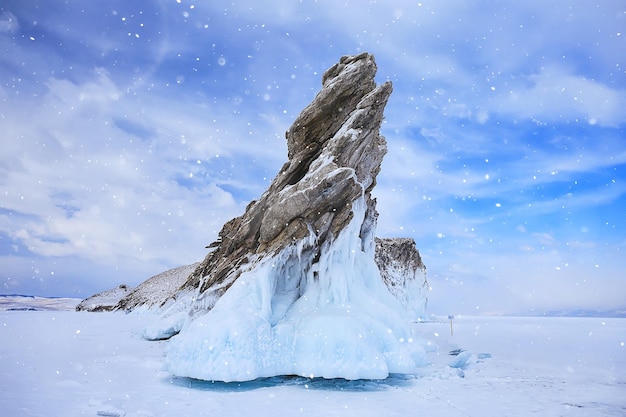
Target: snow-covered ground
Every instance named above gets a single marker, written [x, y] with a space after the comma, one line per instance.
[65, 363]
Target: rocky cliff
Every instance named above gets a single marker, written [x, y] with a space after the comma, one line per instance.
[296, 285]
[335, 151]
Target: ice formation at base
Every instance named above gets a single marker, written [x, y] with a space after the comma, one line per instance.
[335, 318]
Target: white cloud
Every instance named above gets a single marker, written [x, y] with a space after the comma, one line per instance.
[558, 95]
[87, 188]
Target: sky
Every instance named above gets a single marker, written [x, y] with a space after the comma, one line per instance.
[132, 131]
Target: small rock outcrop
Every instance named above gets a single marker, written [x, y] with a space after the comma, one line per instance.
[104, 301]
[404, 273]
[155, 291]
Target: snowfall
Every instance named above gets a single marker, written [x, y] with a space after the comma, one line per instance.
[58, 362]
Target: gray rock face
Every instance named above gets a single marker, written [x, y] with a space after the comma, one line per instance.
[104, 301]
[398, 255]
[335, 151]
[403, 272]
[155, 291]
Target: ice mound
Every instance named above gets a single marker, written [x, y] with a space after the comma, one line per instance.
[336, 321]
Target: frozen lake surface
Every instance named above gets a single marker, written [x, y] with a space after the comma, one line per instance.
[64, 363]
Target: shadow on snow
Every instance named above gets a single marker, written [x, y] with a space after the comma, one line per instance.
[336, 384]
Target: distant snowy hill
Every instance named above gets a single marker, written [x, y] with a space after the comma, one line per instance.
[16, 302]
[616, 313]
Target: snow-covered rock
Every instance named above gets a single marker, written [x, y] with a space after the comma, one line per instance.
[154, 292]
[298, 285]
[404, 273]
[292, 286]
[105, 300]
[151, 295]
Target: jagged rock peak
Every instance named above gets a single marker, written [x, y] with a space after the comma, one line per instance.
[291, 286]
[335, 151]
[343, 86]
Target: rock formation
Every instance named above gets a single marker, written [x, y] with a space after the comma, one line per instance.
[104, 301]
[157, 290]
[404, 273]
[335, 152]
[292, 286]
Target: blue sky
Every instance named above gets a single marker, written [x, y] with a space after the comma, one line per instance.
[131, 131]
